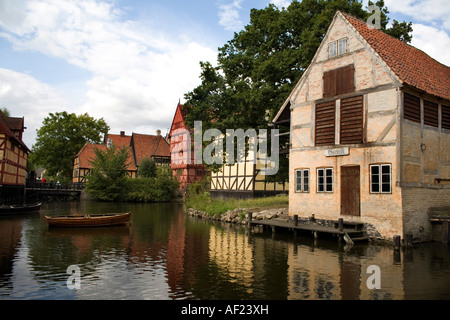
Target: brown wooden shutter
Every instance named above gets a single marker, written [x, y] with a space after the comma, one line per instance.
[325, 123]
[348, 80]
[339, 81]
[329, 83]
[351, 125]
[411, 107]
[430, 113]
[445, 117]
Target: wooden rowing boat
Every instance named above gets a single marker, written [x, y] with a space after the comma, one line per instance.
[101, 220]
[20, 209]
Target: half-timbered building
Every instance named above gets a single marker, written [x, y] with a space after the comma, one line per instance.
[13, 159]
[183, 168]
[82, 163]
[245, 179]
[369, 132]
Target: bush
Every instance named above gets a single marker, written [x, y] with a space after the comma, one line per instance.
[199, 198]
[162, 188]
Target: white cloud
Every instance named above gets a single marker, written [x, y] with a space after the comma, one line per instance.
[281, 3]
[229, 15]
[138, 74]
[434, 12]
[23, 95]
[436, 43]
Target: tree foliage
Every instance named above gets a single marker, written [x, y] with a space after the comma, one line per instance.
[61, 137]
[147, 168]
[259, 67]
[108, 177]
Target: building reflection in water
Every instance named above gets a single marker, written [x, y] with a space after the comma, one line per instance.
[166, 254]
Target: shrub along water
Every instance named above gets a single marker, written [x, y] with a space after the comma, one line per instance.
[200, 199]
[109, 181]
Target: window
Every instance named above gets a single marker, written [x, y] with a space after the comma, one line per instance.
[352, 121]
[342, 46]
[411, 107]
[445, 117]
[325, 180]
[302, 180]
[380, 178]
[339, 81]
[430, 113]
[336, 48]
[332, 49]
[325, 123]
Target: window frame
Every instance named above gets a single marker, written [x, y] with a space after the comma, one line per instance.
[335, 49]
[302, 180]
[380, 182]
[338, 46]
[325, 183]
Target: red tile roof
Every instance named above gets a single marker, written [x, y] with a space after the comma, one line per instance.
[147, 146]
[411, 65]
[119, 140]
[87, 154]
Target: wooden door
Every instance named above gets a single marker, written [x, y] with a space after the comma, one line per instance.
[350, 191]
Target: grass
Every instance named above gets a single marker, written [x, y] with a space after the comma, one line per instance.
[218, 206]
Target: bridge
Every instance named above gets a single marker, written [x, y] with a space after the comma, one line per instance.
[54, 191]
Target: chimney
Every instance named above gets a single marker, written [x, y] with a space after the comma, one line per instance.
[158, 132]
[122, 134]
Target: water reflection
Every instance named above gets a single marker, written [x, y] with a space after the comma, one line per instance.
[165, 254]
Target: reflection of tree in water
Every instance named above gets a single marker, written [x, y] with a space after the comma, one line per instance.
[324, 288]
[301, 283]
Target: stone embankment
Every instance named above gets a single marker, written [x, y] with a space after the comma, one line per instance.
[240, 215]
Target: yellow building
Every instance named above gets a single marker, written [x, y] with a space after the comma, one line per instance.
[369, 132]
[13, 158]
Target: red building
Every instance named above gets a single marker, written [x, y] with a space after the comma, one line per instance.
[182, 162]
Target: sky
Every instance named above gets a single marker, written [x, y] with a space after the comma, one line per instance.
[130, 62]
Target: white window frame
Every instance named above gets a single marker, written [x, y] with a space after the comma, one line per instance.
[326, 173]
[379, 178]
[338, 46]
[332, 49]
[304, 183]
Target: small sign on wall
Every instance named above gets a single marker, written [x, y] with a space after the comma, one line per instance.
[336, 152]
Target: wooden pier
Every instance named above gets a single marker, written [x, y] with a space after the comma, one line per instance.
[349, 231]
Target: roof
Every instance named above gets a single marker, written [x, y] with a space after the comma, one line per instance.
[148, 146]
[119, 140]
[10, 125]
[87, 154]
[411, 65]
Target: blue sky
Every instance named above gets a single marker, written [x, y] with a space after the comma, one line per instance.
[131, 61]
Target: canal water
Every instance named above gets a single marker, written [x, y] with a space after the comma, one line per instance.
[165, 255]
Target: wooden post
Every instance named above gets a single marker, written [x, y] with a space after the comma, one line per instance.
[445, 231]
[408, 240]
[296, 220]
[341, 224]
[250, 217]
[397, 242]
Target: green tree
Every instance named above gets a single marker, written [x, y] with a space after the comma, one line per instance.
[61, 137]
[108, 178]
[5, 112]
[259, 67]
[147, 168]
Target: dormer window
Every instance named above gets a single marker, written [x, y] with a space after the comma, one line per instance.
[338, 47]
